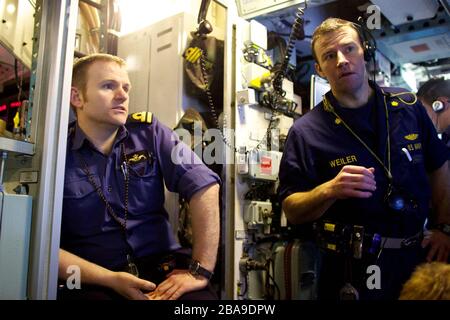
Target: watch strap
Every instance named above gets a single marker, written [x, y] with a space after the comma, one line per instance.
[196, 269]
[444, 228]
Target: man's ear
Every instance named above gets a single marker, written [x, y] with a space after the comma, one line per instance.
[319, 70]
[445, 100]
[75, 97]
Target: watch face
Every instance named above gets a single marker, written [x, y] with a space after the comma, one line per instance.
[193, 268]
[197, 270]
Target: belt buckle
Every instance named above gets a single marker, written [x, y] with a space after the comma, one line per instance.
[408, 242]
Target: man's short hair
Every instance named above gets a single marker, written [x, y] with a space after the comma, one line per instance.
[331, 25]
[430, 281]
[81, 66]
[434, 88]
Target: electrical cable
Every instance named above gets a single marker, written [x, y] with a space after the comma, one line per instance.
[19, 82]
[271, 99]
[273, 279]
[211, 101]
[296, 33]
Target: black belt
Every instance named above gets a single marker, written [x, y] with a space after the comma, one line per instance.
[352, 240]
[401, 243]
[156, 267]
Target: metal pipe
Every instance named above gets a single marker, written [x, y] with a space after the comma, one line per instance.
[2, 167]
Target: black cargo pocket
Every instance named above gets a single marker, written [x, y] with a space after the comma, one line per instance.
[409, 172]
[409, 160]
[83, 210]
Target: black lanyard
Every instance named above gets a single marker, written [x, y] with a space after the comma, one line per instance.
[131, 267]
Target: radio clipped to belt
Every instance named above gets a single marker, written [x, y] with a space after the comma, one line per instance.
[348, 240]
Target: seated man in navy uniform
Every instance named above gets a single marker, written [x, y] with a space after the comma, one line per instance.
[114, 226]
[358, 173]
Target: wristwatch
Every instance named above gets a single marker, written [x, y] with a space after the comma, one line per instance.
[196, 269]
[444, 228]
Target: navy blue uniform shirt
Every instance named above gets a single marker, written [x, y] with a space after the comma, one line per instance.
[88, 230]
[318, 147]
[446, 137]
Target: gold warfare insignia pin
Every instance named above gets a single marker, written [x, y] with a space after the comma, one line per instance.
[138, 157]
[412, 136]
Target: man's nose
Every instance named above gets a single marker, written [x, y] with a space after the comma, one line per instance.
[341, 59]
[121, 94]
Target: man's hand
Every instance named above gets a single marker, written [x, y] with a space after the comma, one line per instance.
[130, 287]
[177, 283]
[439, 244]
[353, 182]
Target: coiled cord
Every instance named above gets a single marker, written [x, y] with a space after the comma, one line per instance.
[211, 102]
[296, 33]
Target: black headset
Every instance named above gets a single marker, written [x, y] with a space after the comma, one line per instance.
[367, 40]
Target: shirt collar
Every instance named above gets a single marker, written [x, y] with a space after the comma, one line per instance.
[372, 99]
[79, 137]
[447, 131]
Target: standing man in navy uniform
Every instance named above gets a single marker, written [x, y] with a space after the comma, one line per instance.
[360, 170]
[114, 226]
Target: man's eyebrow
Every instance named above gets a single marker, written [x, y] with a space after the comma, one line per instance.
[115, 81]
[108, 80]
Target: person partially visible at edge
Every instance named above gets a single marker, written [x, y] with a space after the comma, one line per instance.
[435, 96]
[114, 225]
[430, 281]
[365, 157]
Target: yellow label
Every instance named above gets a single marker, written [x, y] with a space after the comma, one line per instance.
[414, 146]
[16, 120]
[329, 227]
[257, 82]
[343, 161]
[331, 246]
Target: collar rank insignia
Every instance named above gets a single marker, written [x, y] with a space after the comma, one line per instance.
[144, 117]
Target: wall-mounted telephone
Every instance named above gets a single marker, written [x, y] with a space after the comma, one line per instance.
[204, 27]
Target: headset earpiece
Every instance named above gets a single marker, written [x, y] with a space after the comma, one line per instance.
[437, 106]
[367, 40]
[369, 50]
